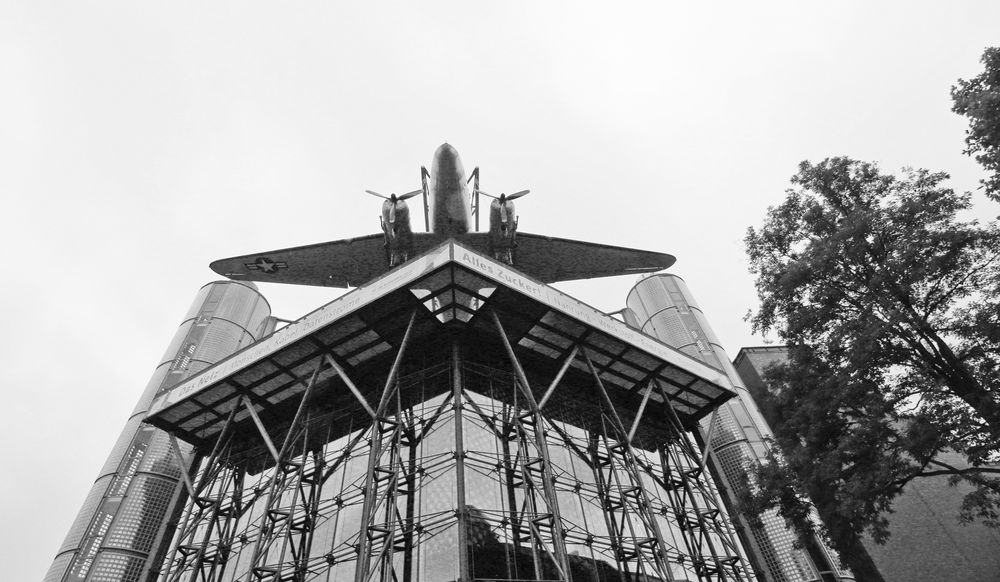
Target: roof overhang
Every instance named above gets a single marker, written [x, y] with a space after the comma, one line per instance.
[448, 287]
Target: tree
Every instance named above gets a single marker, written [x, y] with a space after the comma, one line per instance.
[888, 300]
[979, 100]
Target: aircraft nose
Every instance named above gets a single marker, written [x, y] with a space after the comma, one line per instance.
[446, 151]
[446, 158]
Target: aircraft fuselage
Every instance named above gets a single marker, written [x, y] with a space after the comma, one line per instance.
[448, 197]
[354, 261]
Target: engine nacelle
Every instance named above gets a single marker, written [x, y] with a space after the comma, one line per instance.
[396, 228]
[503, 230]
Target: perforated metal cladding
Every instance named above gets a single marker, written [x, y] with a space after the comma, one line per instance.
[666, 310]
[207, 340]
[180, 339]
[57, 568]
[727, 431]
[121, 446]
[249, 307]
[159, 458]
[219, 339]
[667, 326]
[774, 544]
[130, 465]
[656, 293]
[197, 304]
[138, 519]
[126, 509]
[152, 387]
[82, 520]
[239, 305]
[224, 319]
[114, 567]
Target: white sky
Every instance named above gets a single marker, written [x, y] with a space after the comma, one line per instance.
[137, 144]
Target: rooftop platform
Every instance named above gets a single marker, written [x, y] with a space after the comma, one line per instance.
[449, 290]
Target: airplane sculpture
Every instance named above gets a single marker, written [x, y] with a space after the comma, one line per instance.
[450, 211]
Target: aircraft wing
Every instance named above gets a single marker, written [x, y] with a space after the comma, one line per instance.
[354, 261]
[551, 259]
[340, 263]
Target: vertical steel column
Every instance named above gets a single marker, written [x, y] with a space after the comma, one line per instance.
[304, 524]
[412, 441]
[633, 505]
[528, 505]
[178, 561]
[286, 474]
[724, 566]
[674, 488]
[370, 492]
[464, 569]
[276, 521]
[224, 510]
[386, 533]
[548, 481]
[607, 504]
[630, 463]
[510, 485]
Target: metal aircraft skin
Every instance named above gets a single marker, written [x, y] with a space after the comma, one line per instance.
[451, 210]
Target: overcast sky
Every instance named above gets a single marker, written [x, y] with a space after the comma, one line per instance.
[139, 143]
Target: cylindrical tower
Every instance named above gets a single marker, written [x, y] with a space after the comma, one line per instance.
[115, 534]
[665, 309]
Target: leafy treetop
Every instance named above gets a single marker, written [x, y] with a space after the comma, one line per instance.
[979, 100]
[887, 300]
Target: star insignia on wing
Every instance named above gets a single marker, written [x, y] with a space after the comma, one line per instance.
[266, 265]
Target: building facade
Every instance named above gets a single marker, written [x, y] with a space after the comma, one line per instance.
[450, 420]
[123, 521]
[735, 434]
[927, 542]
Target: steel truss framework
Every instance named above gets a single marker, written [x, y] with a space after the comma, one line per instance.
[458, 473]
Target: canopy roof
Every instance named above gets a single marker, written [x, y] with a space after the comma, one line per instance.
[449, 289]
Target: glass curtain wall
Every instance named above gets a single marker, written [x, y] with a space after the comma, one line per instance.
[466, 476]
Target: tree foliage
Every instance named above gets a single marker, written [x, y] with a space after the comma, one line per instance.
[979, 100]
[888, 300]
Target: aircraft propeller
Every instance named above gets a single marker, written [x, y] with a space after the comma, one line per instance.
[503, 198]
[394, 198]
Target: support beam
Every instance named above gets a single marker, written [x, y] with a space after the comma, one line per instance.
[220, 442]
[548, 480]
[300, 410]
[725, 565]
[197, 512]
[350, 386]
[464, 569]
[275, 529]
[361, 573]
[497, 477]
[617, 422]
[262, 430]
[708, 439]
[558, 378]
[638, 415]
[394, 371]
[389, 381]
[185, 476]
